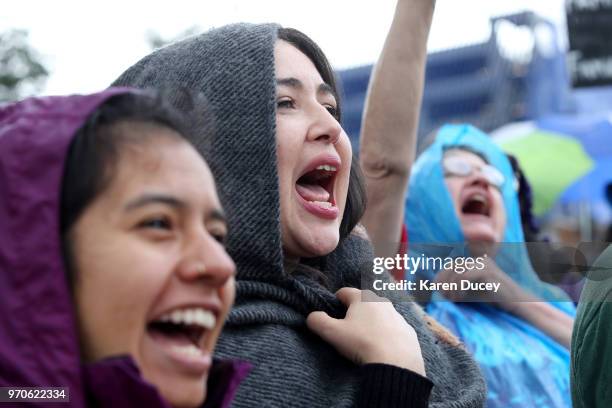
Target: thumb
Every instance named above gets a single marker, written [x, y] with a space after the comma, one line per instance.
[324, 325]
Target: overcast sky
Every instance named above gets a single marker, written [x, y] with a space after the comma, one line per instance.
[87, 44]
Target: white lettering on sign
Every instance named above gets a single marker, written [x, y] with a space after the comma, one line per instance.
[587, 5]
[592, 69]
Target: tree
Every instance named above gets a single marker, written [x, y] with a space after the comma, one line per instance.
[21, 70]
[157, 41]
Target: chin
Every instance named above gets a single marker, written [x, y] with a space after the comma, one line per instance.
[481, 240]
[477, 233]
[320, 243]
[323, 244]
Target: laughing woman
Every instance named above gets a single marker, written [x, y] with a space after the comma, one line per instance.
[293, 196]
[111, 249]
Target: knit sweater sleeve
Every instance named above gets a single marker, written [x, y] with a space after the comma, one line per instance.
[389, 386]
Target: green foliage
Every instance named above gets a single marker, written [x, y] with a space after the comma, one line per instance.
[21, 70]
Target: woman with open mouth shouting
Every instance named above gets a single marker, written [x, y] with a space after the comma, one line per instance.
[114, 281]
[293, 196]
[462, 198]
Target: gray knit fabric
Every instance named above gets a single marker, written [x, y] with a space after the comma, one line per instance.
[233, 67]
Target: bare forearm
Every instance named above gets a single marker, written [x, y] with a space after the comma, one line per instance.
[392, 107]
[548, 319]
[388, 137]
[523, 304]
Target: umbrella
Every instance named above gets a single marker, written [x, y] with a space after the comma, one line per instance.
[595, 134]
[593, 131]
[592, 186]
[557, 164]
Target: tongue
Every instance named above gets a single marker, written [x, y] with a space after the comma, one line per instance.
[312, 192]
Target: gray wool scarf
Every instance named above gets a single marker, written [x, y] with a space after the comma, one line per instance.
[233, 67]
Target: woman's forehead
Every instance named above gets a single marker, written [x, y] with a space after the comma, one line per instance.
[465, 154]
[289, 61]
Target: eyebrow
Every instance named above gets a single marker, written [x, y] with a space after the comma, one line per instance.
[326, 88]
[291, 82]
[146, 199]
[216, 215]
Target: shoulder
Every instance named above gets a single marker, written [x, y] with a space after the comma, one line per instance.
[592, 337]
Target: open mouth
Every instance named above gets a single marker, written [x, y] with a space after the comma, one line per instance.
[476, 204]
[316, 188]
[183, 331]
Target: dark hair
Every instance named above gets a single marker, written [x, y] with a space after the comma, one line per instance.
[95, 151]
[525, 198]
[356, 197]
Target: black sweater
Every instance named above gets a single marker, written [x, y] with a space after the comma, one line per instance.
[388, 386]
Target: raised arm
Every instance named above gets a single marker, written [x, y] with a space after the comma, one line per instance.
[391, 115]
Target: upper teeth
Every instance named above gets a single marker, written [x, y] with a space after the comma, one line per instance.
[326, 167]
[194, 316]
[479, 197]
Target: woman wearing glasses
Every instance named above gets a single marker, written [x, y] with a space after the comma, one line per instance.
[462, 202]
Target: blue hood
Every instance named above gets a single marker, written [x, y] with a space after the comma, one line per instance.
[431, 218]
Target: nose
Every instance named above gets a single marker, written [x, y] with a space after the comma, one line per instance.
[204, 259]
[325, 127]
[478, 179]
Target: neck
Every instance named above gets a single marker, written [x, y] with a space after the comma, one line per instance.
[290, 263]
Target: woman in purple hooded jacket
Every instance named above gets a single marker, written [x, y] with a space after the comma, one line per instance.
[114, 281]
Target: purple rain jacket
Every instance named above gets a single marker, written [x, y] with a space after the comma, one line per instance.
[38, 335]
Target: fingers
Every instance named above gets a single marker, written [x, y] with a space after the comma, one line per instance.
[451, 277]
[349, 296]
[323, 325]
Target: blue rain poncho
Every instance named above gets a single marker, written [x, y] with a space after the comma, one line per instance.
[523, 366]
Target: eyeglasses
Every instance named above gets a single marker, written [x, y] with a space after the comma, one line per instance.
[456, 166]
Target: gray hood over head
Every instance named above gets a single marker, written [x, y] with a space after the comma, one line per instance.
[233, 67]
